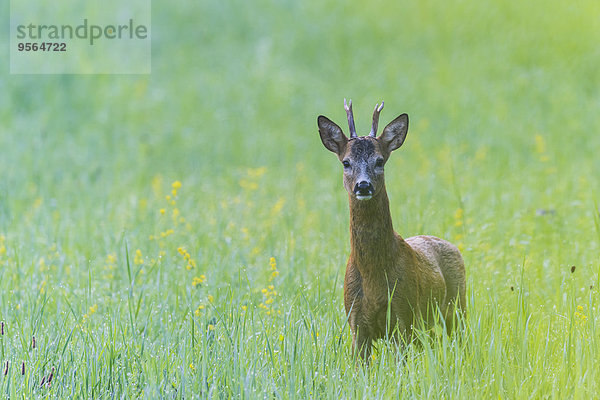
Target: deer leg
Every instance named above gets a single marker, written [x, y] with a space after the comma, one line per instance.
[450, 318]
[361, 345]
[455, 315]
[401, 335]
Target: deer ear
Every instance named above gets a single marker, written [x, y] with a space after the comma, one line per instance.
[331, 135]
[394, 133]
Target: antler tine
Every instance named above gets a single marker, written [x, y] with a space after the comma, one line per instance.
[376, 111]
[348, 107]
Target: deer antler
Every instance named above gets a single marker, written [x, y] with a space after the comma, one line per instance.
[348, 107]
[376, 112]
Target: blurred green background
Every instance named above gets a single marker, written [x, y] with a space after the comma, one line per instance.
[500, 158]
[235, 85]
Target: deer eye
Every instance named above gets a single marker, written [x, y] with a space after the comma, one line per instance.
[346, 164]
[379, 163]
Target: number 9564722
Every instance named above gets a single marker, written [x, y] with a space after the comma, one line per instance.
[44, 46]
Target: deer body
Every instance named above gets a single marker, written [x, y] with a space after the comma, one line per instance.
[411, 277]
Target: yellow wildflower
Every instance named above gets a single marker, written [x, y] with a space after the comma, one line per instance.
[198, 311]
[248, 185]
[540, 148]
[540, 144]
[138, 259]
[167, 233]
[278, 206]
[581, 318]
[458, 216]
[197, 280]
[37, 203]
[156, 184]
[256, 172]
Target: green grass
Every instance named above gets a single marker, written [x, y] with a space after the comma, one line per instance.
[500, 158]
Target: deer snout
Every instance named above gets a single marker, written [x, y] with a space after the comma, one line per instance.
[363, 190]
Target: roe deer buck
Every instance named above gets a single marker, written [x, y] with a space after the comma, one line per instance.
[412, 277]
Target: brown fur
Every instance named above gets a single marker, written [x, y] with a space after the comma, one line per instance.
[417, 274]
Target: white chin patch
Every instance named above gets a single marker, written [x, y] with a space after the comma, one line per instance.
[368, 197]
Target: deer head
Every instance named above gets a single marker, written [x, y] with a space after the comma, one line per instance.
[364, 157]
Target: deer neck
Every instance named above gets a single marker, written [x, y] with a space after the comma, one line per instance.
[372, 235]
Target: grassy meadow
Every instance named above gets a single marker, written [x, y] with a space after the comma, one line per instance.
[184, 234]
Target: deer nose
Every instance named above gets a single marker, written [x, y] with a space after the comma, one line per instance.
[363, 189]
